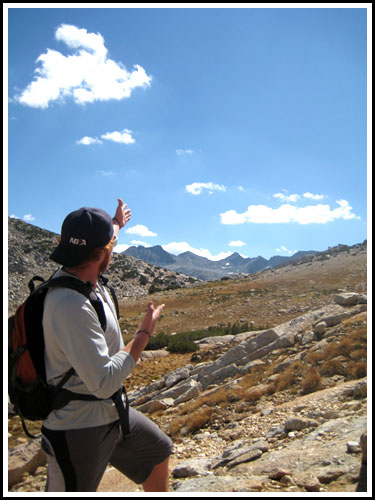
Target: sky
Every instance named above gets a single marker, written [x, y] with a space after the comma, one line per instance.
[223, 128]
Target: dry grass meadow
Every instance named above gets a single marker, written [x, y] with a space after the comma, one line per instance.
[264, 300]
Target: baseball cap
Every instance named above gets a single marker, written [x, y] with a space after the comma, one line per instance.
[82, 231]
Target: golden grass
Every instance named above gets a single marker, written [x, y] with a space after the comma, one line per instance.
[311, 382]
[358, 370]
[358, 354]
[290, 376]
[332, 367]
[191, 422]
[199, 418]
[214, 302]
[255, 376]
[252, 395]
[314, 358]
[214, 398]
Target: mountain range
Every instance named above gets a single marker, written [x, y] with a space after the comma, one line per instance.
[205, 269]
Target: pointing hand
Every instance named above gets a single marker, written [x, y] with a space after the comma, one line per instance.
[122, 214]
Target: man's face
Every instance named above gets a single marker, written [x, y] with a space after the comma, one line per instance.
[107, 257]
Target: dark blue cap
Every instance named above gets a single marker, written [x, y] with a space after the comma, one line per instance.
[82, 231]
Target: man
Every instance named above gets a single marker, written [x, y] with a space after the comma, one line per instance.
[83, 437]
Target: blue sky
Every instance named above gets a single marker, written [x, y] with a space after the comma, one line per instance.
[223, 129]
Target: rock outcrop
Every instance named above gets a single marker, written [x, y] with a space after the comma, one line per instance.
[25, 459]
[302, 446]
[247, 352]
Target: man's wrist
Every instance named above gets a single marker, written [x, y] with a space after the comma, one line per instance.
[115, 220]
[144, 331]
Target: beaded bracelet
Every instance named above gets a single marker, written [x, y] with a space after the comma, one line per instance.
[143, 331]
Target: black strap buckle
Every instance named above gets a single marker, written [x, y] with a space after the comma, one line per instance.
[123, 410]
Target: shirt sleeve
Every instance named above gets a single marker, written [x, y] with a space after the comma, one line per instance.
[81, 338]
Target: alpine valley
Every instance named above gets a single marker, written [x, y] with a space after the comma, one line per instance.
[205, 269]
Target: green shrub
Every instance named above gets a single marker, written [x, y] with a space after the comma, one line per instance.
[153, 289]
[184, 341]
[181, 345]
[158, 341]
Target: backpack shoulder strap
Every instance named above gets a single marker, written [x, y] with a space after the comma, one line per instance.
[105, 282]
[31, 283]
[80, 287]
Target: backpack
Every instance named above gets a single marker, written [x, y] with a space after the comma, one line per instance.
[32, 397]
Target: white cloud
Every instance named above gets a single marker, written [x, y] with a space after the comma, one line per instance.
[76, 38]
[237, 243]
[86, 76]
[184, 152]
[219, 256]
[292, 198]
[119, 248]
[288, 198]
[232, 217]
[87, 141]
[140, 230]
[313, 196]
[317, 214]
[123, 137]
[285, 249]
[176, 248]
[28, 217]
[140, 243]
[197, 187]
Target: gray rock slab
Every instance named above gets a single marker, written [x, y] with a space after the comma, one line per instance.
[310, 453]
[176, 391]
[25, 458]
[191, 393]
[175, 376]
[261, 340]
[246, 457]
[297, 424]
[220, 375]
[350, 298]
[193, 467]
[217, 484]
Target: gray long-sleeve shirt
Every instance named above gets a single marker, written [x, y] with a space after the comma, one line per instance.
[74, 337]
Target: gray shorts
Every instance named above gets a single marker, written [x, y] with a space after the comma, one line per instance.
[77, 458]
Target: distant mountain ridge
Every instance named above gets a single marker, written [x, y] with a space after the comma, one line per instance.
[205, 269]
[154, 255]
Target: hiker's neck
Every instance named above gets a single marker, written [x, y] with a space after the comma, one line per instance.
[91, 270]
[87, 273]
